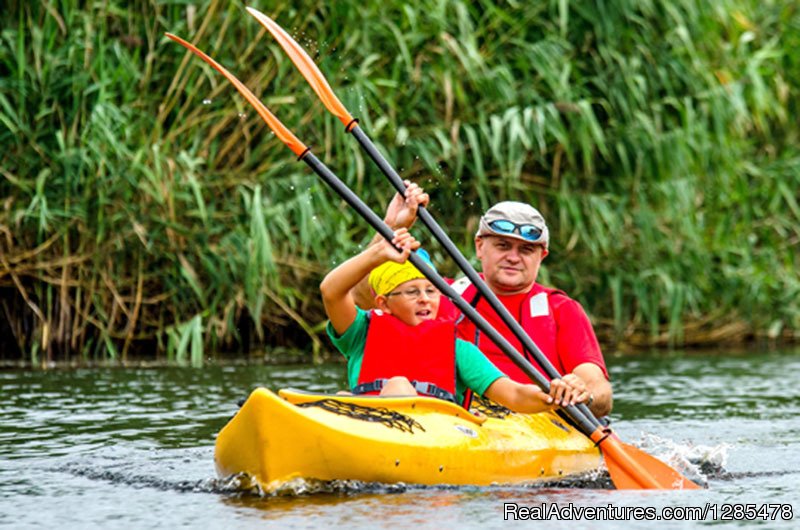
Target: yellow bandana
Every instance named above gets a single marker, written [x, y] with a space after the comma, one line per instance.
[384, 278]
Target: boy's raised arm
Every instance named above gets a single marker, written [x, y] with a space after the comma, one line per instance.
[336, 287]
[400, 213]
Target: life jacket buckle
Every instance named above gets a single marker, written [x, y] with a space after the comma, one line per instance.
[429, 389]
[373, 386]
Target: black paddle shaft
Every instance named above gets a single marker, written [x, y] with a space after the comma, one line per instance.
[586, 425]
[473, 276]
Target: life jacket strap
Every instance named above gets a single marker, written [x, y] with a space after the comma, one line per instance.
[372, 386]
[427, 389]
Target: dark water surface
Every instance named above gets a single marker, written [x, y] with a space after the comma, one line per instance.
[133, 448]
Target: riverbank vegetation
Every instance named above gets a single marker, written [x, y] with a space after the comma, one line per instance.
[146, 210]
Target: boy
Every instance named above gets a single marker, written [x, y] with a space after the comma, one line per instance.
[401, 348]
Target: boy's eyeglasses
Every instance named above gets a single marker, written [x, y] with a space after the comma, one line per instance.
[413, 294]
[504, 226]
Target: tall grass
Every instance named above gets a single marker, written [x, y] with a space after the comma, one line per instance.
[146, 209]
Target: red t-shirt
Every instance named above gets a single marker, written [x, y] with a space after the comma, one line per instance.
[563, 332]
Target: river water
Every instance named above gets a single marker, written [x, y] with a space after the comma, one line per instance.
[115, 447]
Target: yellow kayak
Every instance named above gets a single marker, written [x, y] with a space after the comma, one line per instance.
[415, 440]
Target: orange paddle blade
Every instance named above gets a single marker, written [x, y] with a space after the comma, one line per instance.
[285, 135]
[307, 67]
[632, 468]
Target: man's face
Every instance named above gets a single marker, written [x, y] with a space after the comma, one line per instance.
[510, 265]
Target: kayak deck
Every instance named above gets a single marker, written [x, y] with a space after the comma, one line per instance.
[420, 440]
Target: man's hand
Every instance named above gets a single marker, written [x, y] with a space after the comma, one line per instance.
[402, 210]
[569, 390]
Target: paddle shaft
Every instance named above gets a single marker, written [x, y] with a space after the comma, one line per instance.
[452, 250]
[585, 424]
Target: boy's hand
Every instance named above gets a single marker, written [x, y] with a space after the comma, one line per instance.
[404, 241]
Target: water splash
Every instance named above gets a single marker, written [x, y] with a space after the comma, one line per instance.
[299, 486]
[696, 462]
[596, 479]
[242, 485]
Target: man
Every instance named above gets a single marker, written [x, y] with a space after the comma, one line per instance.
[511, 242]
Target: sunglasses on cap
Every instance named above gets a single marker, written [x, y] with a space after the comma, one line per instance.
[527, 232]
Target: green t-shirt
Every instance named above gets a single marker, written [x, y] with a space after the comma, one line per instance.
[473, 369]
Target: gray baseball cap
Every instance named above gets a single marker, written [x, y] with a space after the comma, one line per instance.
[525, 220]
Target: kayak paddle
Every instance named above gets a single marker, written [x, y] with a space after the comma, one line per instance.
[629, 467]
[322, 88]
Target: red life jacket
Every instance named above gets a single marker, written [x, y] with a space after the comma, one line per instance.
[424, 354]
[536, 318]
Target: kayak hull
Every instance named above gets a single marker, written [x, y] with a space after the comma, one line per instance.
[277, 438]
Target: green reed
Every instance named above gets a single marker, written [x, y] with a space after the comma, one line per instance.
[147, 209]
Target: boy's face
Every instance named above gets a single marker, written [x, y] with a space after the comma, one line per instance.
[412, 302]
